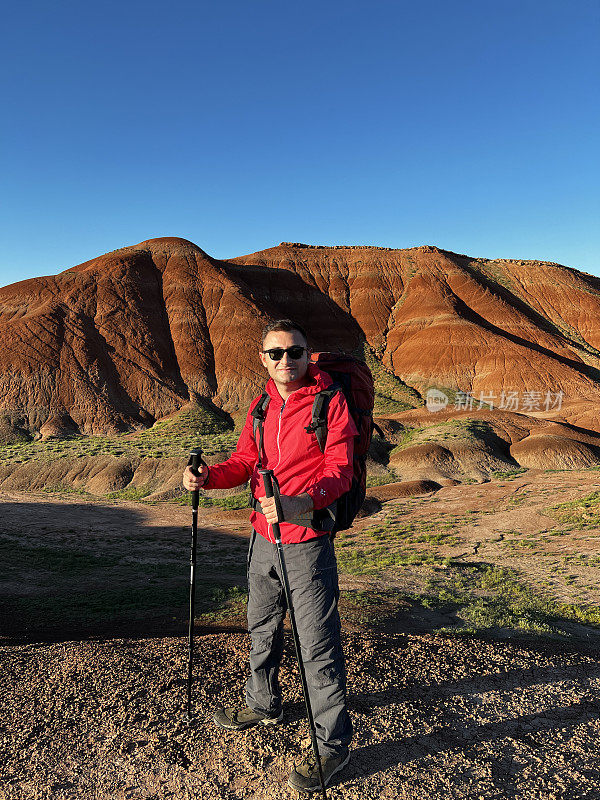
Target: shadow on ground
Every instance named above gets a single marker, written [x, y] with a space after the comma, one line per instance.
[85, 570]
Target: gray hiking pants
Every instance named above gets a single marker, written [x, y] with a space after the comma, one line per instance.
[312, 573]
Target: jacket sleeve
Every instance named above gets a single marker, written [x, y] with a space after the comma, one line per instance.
[240, 465]
[335, 476]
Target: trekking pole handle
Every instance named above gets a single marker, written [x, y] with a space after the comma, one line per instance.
[272, 490]
[194, 462]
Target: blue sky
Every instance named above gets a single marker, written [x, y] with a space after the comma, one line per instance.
[471, 125]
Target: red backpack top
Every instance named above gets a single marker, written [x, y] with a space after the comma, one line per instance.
[354, 378]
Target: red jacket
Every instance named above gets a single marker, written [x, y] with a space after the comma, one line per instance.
[293, 454]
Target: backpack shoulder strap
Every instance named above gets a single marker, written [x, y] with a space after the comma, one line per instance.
[258, 418]
[318, 424]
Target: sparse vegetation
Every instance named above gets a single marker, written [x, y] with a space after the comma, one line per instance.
[224, 603]
[582, 513]
[130, 493]
[371, 607]
[380, 480]
[468, 429]
[478, 598]
[77, 583]
[232, 502]
[191, 427]
[509, 474]
[492, 273]
[391, 394]
[392, 545]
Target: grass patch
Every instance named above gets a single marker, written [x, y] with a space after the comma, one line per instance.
[381, 480]
[375, 560]
[198, 420]
[485, 598]
[67, 585]
[395, 544]
[488, 597]
[509, 474]
[579, 514]
[195, 426]
[232, 502]
[52, 560]
[481, 598]
[451, 431]
[391, 394]
[226, 602]
[370, 607]
[101, 605]
[130, 493]
[65, 488]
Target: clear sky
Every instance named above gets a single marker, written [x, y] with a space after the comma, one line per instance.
[471, 125]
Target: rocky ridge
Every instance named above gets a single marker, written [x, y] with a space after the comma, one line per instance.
[134, 335]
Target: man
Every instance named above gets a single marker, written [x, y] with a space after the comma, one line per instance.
[309, 480]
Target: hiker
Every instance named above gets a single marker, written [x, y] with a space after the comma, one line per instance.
[309, 481]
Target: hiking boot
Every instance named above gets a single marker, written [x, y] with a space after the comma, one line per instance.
[305, 775]
[239, 719]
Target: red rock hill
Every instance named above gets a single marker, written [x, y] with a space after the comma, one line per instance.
[135, 334]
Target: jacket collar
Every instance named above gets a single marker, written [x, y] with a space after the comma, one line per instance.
[317, 381]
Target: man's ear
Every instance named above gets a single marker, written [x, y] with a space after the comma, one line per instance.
[263, 359]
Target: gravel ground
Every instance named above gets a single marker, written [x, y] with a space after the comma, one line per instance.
[434, 717]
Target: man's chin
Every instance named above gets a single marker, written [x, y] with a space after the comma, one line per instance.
[292, 380]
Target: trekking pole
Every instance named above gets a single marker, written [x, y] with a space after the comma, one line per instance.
[194, 462]
[272, 490]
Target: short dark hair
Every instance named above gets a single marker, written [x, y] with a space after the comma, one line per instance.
[287, 325]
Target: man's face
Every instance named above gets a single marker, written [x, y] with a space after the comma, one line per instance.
[288, 373]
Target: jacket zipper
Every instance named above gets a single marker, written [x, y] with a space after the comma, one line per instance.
[279, 433]
[278, 455]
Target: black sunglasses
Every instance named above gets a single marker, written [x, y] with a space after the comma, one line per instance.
[294, 352]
